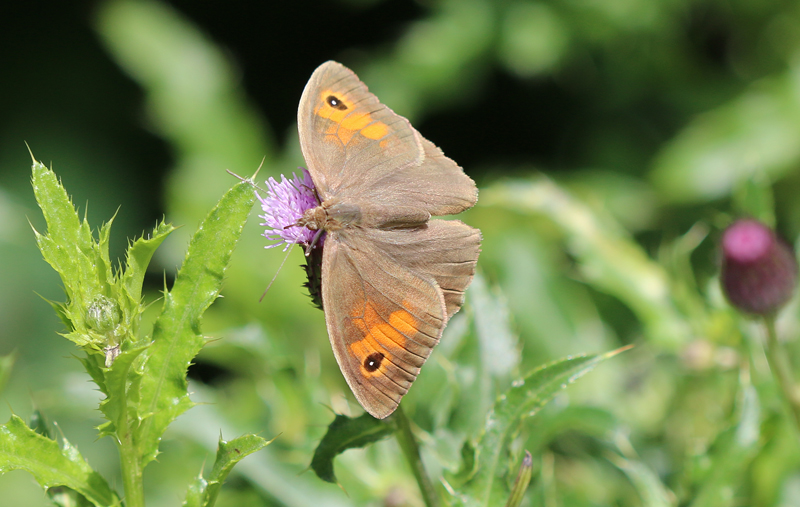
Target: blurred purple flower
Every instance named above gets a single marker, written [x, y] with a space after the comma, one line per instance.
[284, 206]
[759, 270]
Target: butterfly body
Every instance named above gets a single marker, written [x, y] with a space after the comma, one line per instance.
[391, 276]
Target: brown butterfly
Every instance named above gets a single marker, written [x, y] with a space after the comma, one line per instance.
[391, 277]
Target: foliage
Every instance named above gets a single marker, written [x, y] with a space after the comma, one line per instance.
[143, 377]
[612, 143]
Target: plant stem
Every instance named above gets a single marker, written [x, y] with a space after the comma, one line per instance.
[408, 443]
[130, 464]
[778, 363]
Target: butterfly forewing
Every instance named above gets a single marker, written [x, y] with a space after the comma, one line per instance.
[360, 151]
[344, 129]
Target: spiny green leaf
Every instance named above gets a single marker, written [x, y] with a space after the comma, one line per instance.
[346, 433]
[138, 258]
[21, 448]
[523, 400]
[176, 333]
[71, 250]
[93, 364]
[203, 492]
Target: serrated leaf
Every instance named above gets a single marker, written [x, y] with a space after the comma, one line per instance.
[70, 248]
[346, 433]
[120, 404]
[522, 400]
[176, 333]
[138, 258]
[203, 492]
[21, 448]
[93, 365]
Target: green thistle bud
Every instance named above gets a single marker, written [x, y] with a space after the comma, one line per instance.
[103, 315]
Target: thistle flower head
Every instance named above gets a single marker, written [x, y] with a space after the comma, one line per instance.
[759, 270]
[284, 205]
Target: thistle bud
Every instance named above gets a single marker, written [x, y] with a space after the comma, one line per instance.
[102, 316]
[759, 270]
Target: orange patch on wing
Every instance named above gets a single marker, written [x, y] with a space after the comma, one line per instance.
[380, 336]
[375, 131]
[346, 123]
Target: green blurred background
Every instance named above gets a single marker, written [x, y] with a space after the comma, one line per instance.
[611, 141]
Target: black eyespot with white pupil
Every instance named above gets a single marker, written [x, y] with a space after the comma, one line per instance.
[335, 102]
[373, 361]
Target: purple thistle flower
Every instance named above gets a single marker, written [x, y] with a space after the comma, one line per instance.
[759, 270]
[284, 206]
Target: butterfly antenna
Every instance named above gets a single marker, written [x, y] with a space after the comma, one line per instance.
[276, 274]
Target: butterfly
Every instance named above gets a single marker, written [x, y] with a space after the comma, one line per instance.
[391, 276]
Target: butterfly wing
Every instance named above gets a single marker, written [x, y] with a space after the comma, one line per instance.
[388, 295]
[360, 151]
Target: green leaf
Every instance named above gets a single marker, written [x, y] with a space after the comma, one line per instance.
[753, 198]
[607, 256]
[523, 400]
[63, 496]
[38, 423]
[755, 133]
[176, 333]
[499, 348]
[646, 482]
[493, 348]
[21, 448]
[120, 405]
[72, 251]
[346, 433]
[203, 492]
[138, 258]
[732, 455]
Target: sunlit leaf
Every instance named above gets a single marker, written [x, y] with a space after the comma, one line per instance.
[21, 448]
[176, 334]
[523, 400]
[203, 491]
